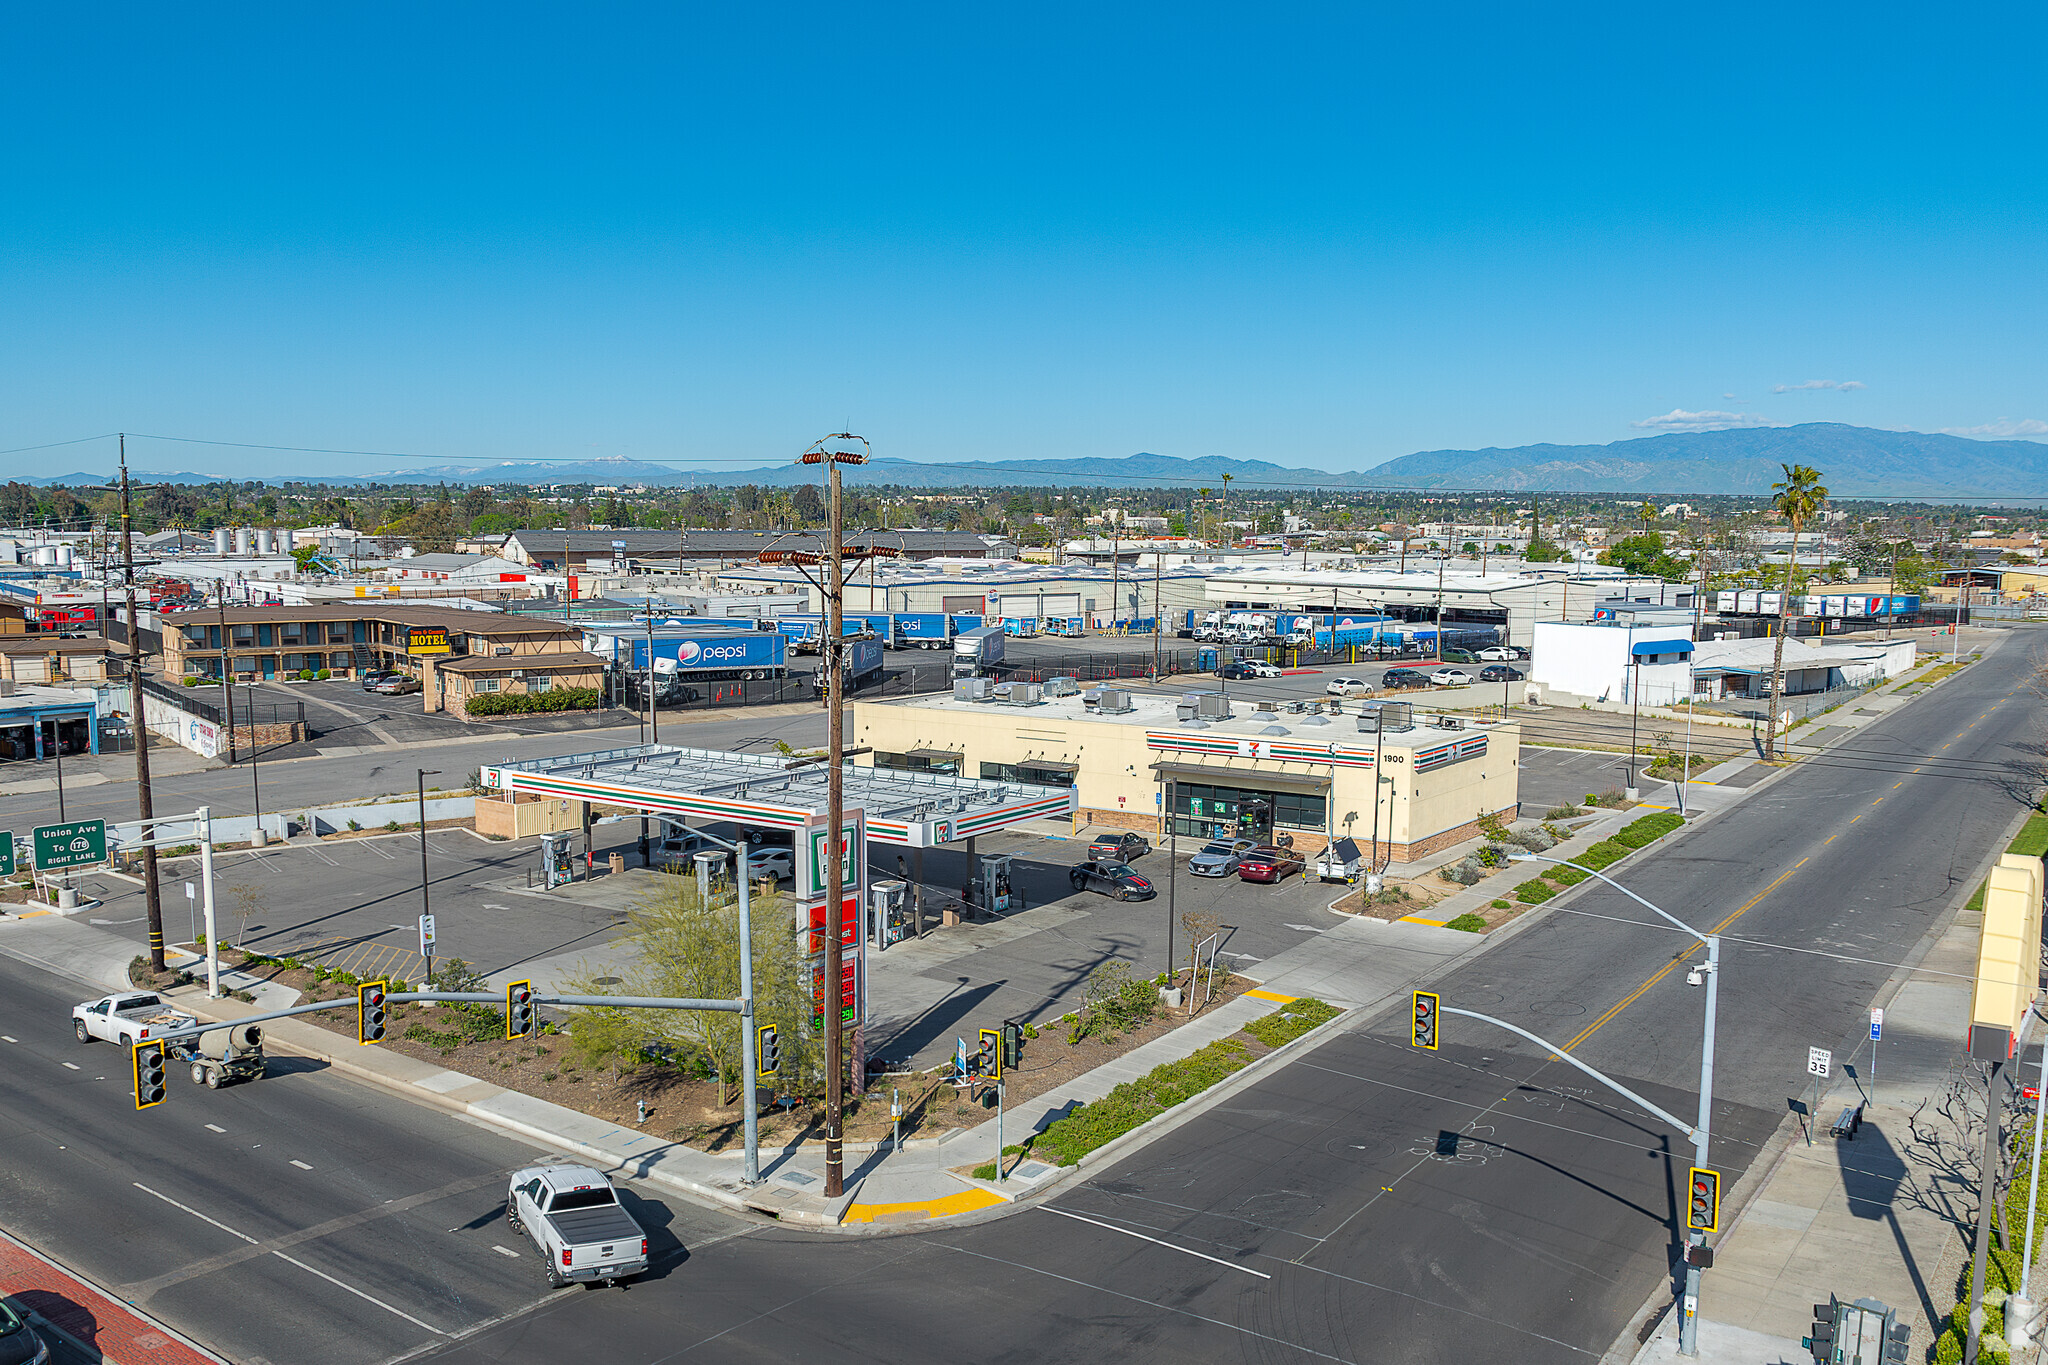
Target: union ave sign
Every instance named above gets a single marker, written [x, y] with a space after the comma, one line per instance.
[79, 844]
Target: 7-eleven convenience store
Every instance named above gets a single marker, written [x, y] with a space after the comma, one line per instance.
[1146, 759]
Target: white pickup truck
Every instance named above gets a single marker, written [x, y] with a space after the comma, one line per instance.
[129, 1018]
[573, 1215]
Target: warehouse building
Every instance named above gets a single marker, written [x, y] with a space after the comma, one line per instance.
[1511, 603]
[1210, 764]
[584, 551]
[991, 588]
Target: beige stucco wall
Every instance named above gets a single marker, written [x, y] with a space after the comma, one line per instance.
[1419, 813]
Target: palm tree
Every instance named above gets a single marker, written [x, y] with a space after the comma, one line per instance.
[1797, 498]
[1648, 514]
[1203, 495]
[1226, 499]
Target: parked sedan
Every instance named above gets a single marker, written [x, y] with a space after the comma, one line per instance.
[1111, 879]
[1261, 670]
[1502, 653]
[1118, 848]
[372, 676]
[397, 685]
[1451, 677]
[1396, 678]
[1347, 687]
[1501, 673]
[773, 861]
[19, 1344]
[1235, 672]
[1270, 863]
[1458, 656]
[1220, 857]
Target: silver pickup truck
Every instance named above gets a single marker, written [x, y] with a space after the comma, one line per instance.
[574, 1217]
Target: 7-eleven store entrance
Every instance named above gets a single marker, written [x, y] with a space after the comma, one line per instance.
[914, 810]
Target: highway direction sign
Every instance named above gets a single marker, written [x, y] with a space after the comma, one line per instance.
[78, 844]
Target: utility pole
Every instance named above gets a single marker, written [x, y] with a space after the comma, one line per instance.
[832, 668]
[1115, 562]
[1158, 558]
[145, 806]
[426, 906]
[227, 675]
[1440, 557]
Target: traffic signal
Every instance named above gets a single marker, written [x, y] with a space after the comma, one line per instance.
[1821, 1338]
[149, 1074]
[769, 1061]
[1422, 1029]
[1013, 1045]
[519, 1009]
[991, 1054]
[370, 1012]
[1703, 1200]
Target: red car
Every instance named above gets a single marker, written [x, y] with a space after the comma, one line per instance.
[1268, 863]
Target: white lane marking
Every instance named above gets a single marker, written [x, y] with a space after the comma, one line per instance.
[71, 1066]
[215, 1128]
[195, 1213]
[302, 1165]
[505, 1251]
[1305, 928]
[8, 1038]
[428, 1326]
[1156, 1242]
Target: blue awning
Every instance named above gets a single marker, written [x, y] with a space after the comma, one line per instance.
[1662, 647]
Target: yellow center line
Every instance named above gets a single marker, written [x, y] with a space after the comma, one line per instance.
[1879, 799]
[1636, 994]
[1830, 839]
[1854, 818]
[1897, 785]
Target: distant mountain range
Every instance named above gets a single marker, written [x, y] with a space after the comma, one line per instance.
[1853, 461]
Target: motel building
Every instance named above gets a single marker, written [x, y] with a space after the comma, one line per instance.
[1208, 762]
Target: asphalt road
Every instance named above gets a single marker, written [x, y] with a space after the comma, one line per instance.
[1481, 1202]
[296, 1218]
[1367, 1203]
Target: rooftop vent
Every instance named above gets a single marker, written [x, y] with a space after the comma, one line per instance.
[1275, 730]
[1449, 723]
[1061, 687]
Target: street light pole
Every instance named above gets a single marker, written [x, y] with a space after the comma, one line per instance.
[426, 907]
[1689, 1308]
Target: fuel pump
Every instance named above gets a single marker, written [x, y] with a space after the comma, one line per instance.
[554, 857]
[888, 912]
[995, 883]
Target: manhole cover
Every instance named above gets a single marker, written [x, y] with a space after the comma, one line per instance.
[1557, 1009]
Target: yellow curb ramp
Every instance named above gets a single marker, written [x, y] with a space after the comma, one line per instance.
[1417, 919]
[967, 1201]
[1273, 996]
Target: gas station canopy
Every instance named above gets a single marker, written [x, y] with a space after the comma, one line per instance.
[917, 809]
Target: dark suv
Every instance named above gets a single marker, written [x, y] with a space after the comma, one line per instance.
[1404, 677]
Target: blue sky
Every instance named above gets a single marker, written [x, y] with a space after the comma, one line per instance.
[1320, 235]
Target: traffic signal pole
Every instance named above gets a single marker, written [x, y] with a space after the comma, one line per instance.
[1700, 1132]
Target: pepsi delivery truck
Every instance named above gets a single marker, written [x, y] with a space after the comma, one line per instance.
[693, 652]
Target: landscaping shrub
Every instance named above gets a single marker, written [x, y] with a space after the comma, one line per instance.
[1566, 876]
[1067, 1140]
[1113, 1002]
[192, 682]
[1533, 840]
[325, 674]
[529, 703]
[1563, 813]
[1648, 830]
[1465, 872]
[1534, 892]
[1492, 855]
[1290, 1021]
[1470, 923]
[305, 675]
[1500, 905]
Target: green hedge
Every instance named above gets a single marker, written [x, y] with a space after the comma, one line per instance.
[1648, 830]
[1290, 1021]
[528, 703]
[1471, 924]
[1065, 1141]
[1534, 892]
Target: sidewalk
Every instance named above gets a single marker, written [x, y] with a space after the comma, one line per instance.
[1881, 1216]
[67, 1310]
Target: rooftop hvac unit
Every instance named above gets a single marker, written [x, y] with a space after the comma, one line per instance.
[1449, 723]
[1368, 721]
[1266, 708]
[1184, 710]
[1212, 706]
[1397, 715]
[1061, 687]
[1021, 694]
[973, 689]
[1114, 701]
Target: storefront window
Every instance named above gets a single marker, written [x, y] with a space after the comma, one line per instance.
[1204, 812]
